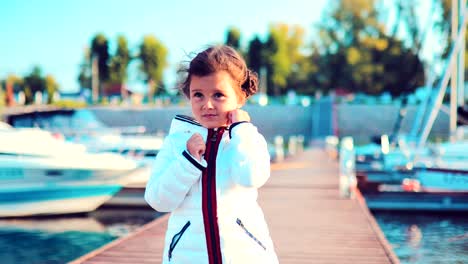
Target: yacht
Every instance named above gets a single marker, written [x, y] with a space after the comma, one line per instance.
[42, 174]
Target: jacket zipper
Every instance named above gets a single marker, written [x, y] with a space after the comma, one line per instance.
[176, 238]
[211, 174]
[239, 222]
[211, 197]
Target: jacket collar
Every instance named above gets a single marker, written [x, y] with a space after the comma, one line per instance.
[187, 124]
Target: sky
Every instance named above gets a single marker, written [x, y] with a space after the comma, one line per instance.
[54, 34]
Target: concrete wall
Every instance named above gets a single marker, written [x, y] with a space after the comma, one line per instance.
[364, 121]
[358, 121]
[315, 121]
[270, 120]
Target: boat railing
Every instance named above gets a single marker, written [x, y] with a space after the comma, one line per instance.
[347, 163]
[280, 148]
[331, 146]
[73, 132]
[442, 86]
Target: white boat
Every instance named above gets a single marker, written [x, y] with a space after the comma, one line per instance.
[42, 175]
[83, 127]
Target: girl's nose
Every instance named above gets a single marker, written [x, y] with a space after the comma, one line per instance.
[208, 104]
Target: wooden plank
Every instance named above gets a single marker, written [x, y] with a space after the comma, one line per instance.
[309, 222]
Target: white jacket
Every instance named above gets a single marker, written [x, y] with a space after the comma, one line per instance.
[215, 217]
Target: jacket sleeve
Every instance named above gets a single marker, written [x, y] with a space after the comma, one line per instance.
[173, 174]
[248, 152]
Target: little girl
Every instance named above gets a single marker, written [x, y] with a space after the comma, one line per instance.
[210, 167]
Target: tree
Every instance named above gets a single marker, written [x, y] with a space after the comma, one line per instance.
[300, 78]
[153, 56]
[51, 86]
[444, 23]
[233, 38]
[348, 64]
[84, 77]
[34, 82]
[11, 84]
[119, 63]
[3, 97]
[360, 56]
[100, 52]
[254, 54]
[313, 71]
[281, 53]
[444, 27]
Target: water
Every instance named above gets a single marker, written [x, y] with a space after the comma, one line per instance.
[426, 238]
[415, 238]
[61, 239]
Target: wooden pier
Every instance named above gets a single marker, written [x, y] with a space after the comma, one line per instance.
[309, 222]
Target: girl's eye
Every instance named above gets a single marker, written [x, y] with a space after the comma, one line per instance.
[218, 95]
[197, 94]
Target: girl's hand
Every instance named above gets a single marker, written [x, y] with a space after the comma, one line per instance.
[238, 115]
[196, 146]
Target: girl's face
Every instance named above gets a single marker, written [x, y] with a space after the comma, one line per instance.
[212, 98]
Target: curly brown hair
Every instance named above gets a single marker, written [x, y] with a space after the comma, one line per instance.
[221, 58]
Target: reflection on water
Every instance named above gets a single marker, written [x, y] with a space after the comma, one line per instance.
[33, 246]
[414, 236]
[430, 238]
[61, 239]
[57, 225]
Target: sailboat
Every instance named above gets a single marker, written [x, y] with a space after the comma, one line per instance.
[422, 176]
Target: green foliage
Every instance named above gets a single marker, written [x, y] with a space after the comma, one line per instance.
[443, 23]
[28, 95]
[353, 50]
[51, 88]
[254, 54]
[100, 51]
[233, 38]
[11, 84]
[153, 56]
[2, 97]
[113, 68]
[277, 62]
[299, 79]
[84, 77]
[119, 62]
[29, 85]
[314, 75]
[14, 80]
[360, 56]
[33, 82]
[281, 54]
[69, 104]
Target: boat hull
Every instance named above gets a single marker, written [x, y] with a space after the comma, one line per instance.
[418, 201]
[442, 179]
[54, 200]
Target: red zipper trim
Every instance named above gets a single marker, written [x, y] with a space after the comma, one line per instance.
[209, 204]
